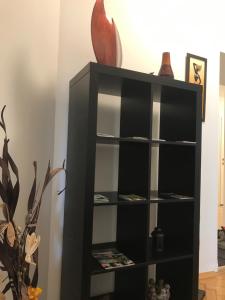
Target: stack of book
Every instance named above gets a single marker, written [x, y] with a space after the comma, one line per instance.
[111, 258]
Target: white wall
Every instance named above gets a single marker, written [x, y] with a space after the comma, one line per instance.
[29, 31]
[147, 28]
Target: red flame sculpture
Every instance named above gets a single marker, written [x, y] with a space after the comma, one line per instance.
[105, 37]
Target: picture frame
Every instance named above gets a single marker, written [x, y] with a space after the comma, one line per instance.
[196, 72]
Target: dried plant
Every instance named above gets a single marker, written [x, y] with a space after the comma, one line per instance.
[19, 248]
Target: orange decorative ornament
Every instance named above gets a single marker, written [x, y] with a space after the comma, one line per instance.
[105, 37]
[34, 293]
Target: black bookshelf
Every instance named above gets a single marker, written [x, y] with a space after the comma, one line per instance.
[179, 163]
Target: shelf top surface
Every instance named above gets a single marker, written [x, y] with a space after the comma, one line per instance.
[121, 74]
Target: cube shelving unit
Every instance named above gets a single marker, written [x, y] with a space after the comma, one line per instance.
[178, 144]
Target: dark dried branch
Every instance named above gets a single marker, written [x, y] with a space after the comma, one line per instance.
[31, 199]
[50, 174]
[7, 287]
[2, 122]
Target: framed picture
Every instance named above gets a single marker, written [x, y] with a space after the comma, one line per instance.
[196, 72]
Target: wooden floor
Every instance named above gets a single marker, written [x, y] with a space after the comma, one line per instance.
[214, 285]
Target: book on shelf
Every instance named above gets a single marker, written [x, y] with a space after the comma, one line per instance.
[174, 196]
[188, 142]
[131, 197]
[99, 198]
[101, 134]
[143, 138]
[111, 258]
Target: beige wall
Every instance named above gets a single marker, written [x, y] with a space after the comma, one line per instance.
[28, 66]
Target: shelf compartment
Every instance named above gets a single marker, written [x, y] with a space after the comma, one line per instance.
[177, 170]
[181, 282]
[128, 284]
[178, 231]
[108, 114]
[115, 200]
[102, 284]
[126, 114]
[106, 168]
[131, 284]
[174, 113]
[135, 109]
[133, 169]
[96, 268]
[132, 231]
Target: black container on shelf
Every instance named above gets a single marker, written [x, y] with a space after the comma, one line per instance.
[157, 241]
